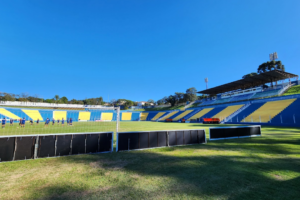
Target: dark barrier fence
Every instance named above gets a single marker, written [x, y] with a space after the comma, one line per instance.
[219, 133]
[40, 146]
[153, 139]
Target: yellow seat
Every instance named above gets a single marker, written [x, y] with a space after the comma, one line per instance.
[106, 116]
[168, 115]
[8, 114]
[227, 111]
[84, 116]
[200, 114]
[158, 115]
[34, 114]
[126, 116]
[143, 116]
[182, 115]
[58, 115]
[268, 111]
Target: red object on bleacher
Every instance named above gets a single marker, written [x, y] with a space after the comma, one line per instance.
[211, 121]
[169, 120]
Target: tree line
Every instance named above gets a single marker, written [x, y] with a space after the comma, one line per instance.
[267, 66]
[177, 98]
[180, 97]
[25, 97]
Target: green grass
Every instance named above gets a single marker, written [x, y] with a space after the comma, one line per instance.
[161, 109]
[293, 90]
[264, 167]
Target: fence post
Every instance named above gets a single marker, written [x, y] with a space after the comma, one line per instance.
[281, 118]
[270, 118]
[36, 146]
[259, 119]
[168, 139]
[128, 144]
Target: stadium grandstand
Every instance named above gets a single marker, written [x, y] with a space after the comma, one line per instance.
[245, 101]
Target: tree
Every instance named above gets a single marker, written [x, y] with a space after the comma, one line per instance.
[171, 99]
[64, 100]
[160, 102]
[249, 75]
[8, 97]
[74, 101]
[150, 101]
[49, 100]
[99, 101]
[179, 97]
[56, 97]
[113, 101]
[191, 94]
[270, 65]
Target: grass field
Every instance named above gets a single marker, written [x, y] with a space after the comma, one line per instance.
[266, 167]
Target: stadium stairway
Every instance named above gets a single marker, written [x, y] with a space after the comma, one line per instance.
[247, 111]
[231, 116]
[213, 112]
[151, 115]
[175, 115]
[200, 113]
[268, 111]
[33, 114]
[12, 113]
[167, 116]
[227, 112]
[182, 115]
[289, 116]
[158, 115]
[191, 114]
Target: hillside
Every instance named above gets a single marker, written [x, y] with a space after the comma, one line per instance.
[293, 90]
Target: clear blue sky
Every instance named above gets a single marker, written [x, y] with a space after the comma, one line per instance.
[139, 50]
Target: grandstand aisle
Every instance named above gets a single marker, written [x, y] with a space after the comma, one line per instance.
[200, 114]
[182, 114]
[227, 112]
[247, 111]
[213, 112]
[158, 115]
[144, 116]
[168, 116]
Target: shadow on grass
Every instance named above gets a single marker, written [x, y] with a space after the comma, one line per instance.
[186, 172]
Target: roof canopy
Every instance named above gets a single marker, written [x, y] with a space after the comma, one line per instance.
[249, 82]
